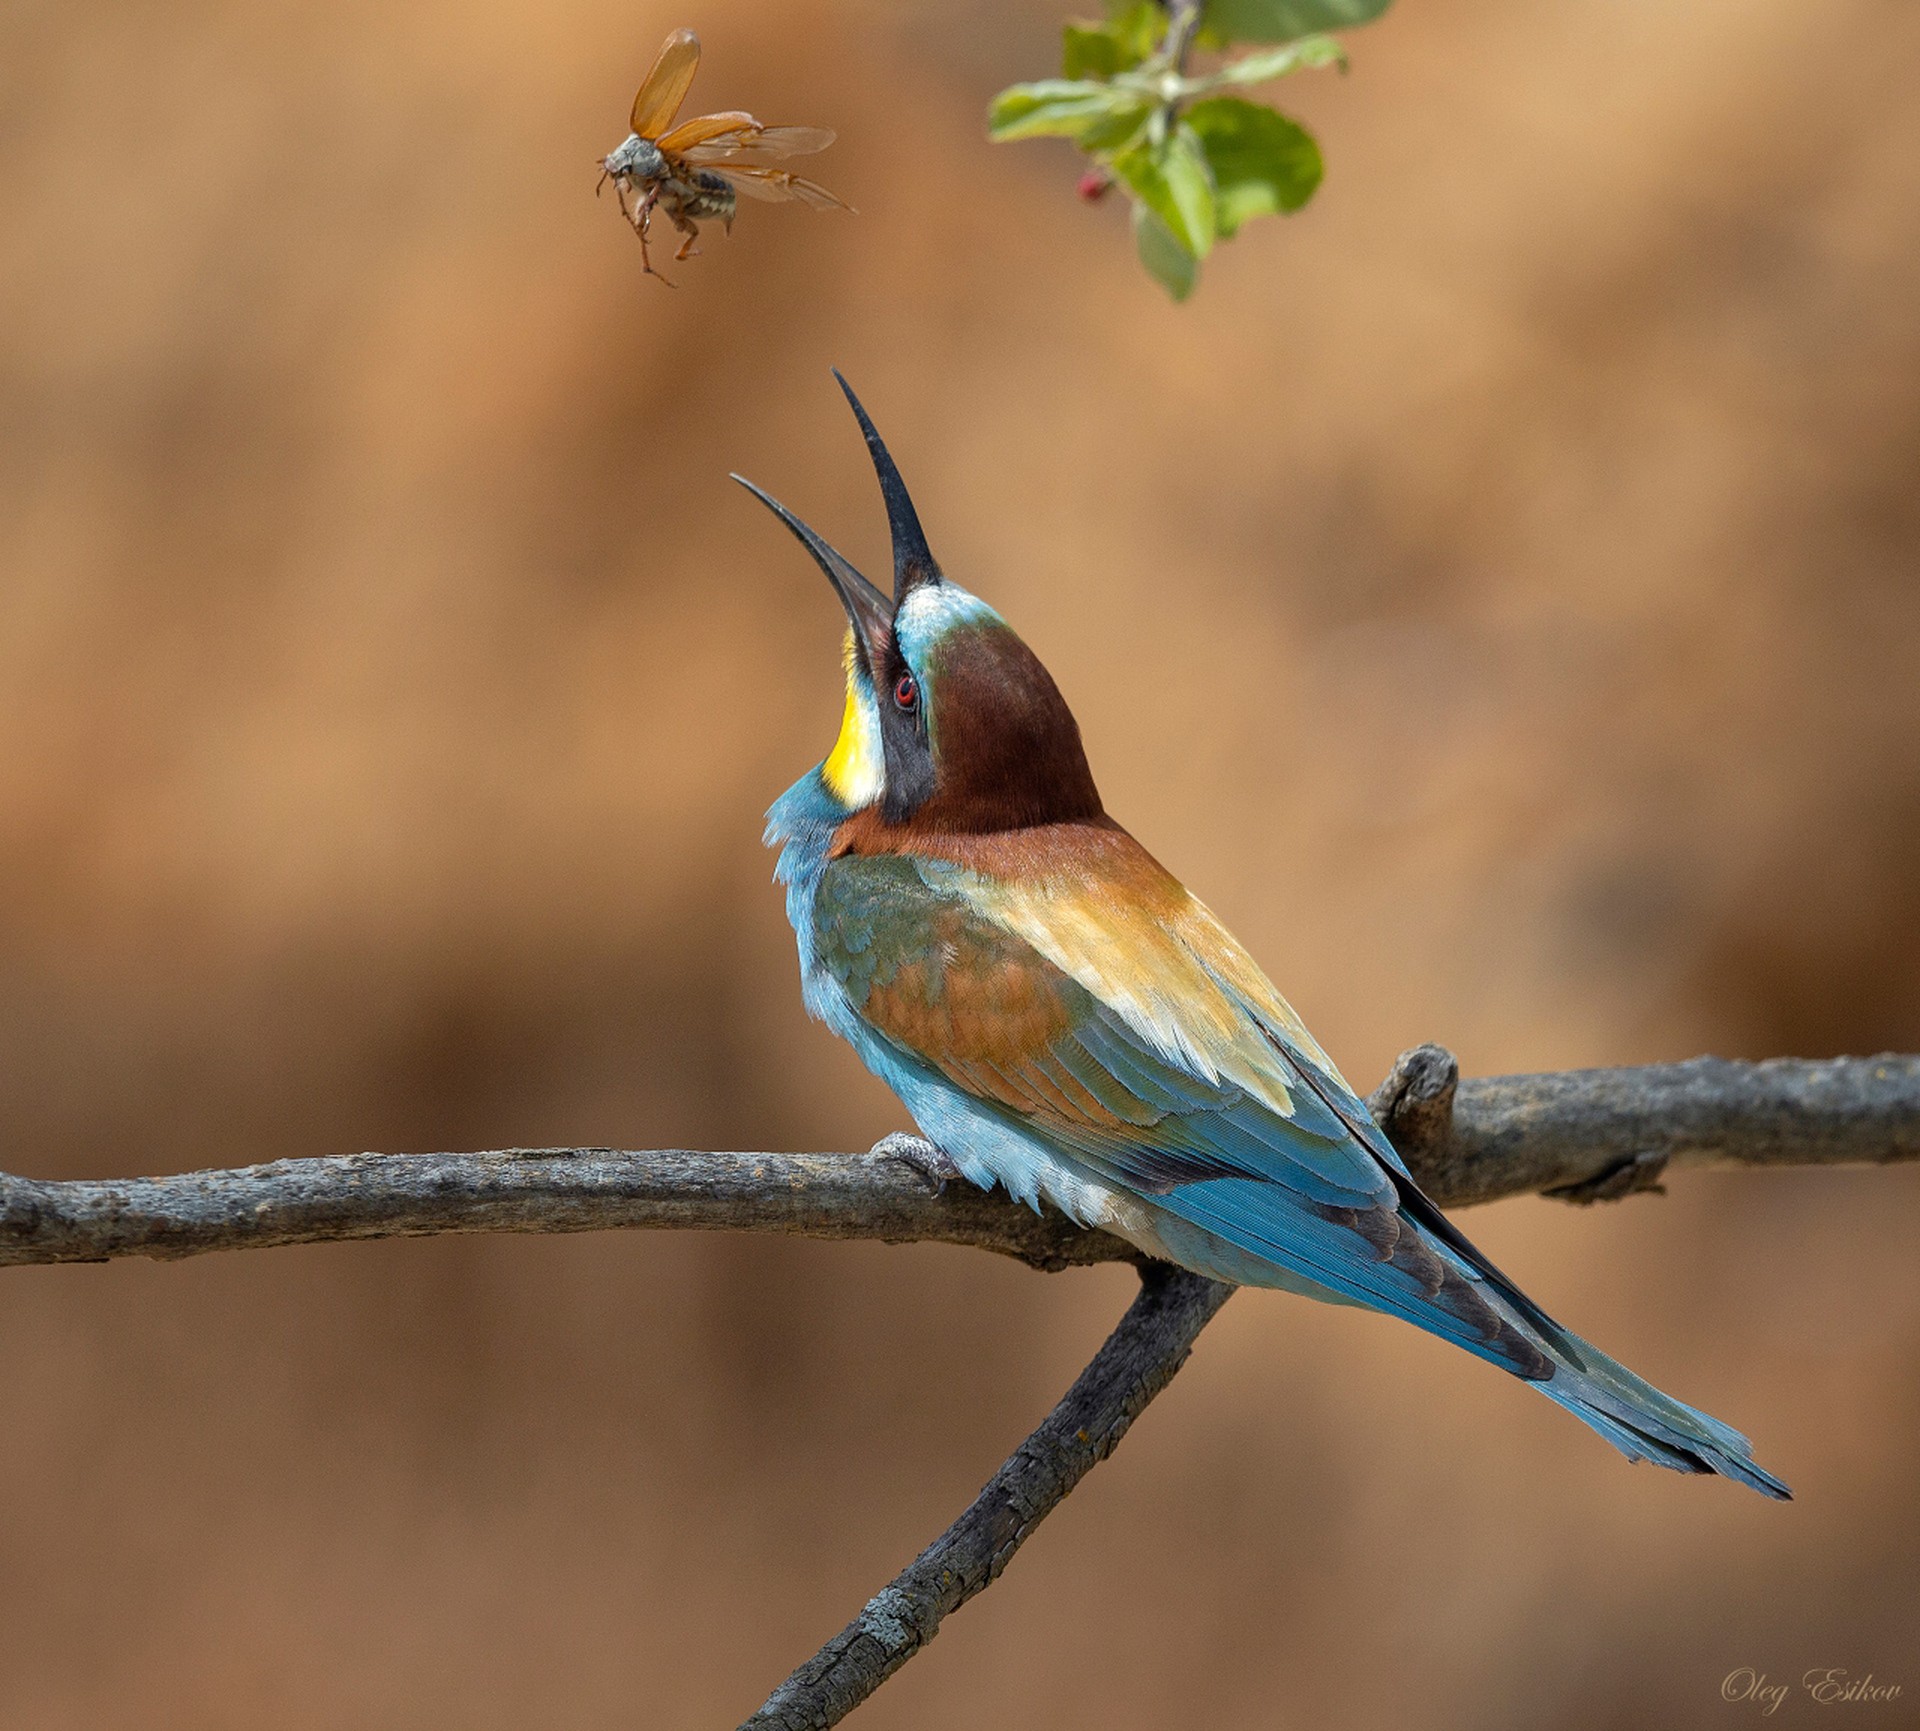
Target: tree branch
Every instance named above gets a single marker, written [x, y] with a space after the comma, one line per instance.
[1582, 1135]
[1138, 1360]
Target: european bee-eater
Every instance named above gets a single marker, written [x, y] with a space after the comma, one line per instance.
[1062, 1017]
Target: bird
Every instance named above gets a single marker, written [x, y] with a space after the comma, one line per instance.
[1062, 1018]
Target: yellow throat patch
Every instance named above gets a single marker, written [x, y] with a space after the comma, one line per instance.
[855, 770]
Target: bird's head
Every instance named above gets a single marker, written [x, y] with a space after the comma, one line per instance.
[951, 723]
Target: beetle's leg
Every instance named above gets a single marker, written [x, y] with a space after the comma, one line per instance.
[644, 222]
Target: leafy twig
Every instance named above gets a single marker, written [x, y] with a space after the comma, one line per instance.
[1196, 163]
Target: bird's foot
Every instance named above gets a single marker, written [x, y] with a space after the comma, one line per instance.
[933, 1164]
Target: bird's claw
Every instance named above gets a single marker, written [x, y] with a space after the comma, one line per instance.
[933, 1164]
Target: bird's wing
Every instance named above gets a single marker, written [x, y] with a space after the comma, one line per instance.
[1128, 1032]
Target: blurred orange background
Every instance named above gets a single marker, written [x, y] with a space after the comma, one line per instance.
[1494, 593]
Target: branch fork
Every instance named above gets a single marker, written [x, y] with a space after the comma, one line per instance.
[1581, 1136]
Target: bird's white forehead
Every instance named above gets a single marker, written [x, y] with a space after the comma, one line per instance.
[930, 612]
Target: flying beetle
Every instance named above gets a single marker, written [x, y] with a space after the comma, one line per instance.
[693, 172]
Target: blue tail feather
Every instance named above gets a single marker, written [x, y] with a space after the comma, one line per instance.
[1633, 1415]
[1644, 1424]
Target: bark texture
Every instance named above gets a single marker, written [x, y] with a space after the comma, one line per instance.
[1580, 1135]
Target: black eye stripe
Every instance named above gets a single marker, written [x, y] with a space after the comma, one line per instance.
[909, 760]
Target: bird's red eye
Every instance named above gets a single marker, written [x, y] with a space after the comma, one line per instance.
[906, 692]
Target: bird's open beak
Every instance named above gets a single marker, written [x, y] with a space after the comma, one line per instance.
[913, 560]
[868, 609]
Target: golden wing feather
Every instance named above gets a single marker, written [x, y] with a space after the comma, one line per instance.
[666, 85]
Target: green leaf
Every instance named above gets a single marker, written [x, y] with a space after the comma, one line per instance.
[1054, 108]
[1262, 163]
[1171, 178]
[1090, 51]
[1169, 263]
[1141, 22]
[1140, 27]
[1285, 20]
[1309, 53]
[1121, 43]
[1116, 131]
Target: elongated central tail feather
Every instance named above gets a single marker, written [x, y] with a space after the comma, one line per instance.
[1644, 1424]
[1633, 1415]
[1449, 1288]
